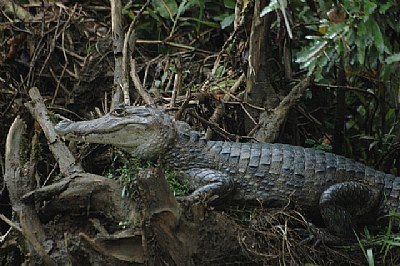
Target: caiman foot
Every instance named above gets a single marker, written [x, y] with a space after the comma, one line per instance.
[210, 185]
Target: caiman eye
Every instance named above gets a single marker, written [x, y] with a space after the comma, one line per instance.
[119, 111]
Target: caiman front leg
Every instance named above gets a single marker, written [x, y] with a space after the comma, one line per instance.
[209, 184]
[341, 204]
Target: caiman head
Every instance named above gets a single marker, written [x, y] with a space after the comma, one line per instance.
[143, 131]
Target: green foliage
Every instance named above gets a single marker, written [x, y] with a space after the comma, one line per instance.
[126, 174]
[243, 216]
[186, 18]
[178, 187]
[319, 145]
[363, 39]
[393, 58]
[382, 242]
[166, 8]
[364, 42]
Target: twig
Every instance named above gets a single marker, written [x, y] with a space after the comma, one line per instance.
[222, 132]
[129, 47]
[271, 121]
[138, 85]
[29, 233]
[248, 114]
[177, 82]
[179, 113]
[173, 44]
[219, 111]
[10, 223]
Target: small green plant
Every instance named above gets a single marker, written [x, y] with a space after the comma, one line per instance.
[124, 224]
[242, 215]
[319, 145]
[126, 174]
[178, 187]
[384, 241]
[127, 170]
[368, 252]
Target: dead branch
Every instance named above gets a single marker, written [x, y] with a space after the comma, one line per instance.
[78, 193]
[63, 155]
[118, 41]
[219, 110]
[271, 120]
[129, 47]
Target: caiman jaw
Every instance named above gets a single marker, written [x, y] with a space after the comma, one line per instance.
[105, 130]
[142, 131]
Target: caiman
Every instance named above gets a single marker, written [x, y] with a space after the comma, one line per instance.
[341, 190]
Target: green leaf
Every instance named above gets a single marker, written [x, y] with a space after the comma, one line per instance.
[313, 52]
[184, 5]
[219, 72]
[207, 23]
[360, 41]
[370, 257]
[227, 21]
[166, 8]
[360, 51]
[393, 58]
[369, 8]
[390, 114]
[361, 30]
[335, 30]
[372, 57]
[385, 7]
[229, 4]
[377, 34]
[273, 5]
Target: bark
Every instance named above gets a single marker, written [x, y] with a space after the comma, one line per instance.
[258, 88]
[174, 234]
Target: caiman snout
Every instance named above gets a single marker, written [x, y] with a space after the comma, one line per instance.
[68, 127]
[62, 127]
[142, 131]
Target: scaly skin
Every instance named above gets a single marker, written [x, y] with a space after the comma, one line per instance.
[343, 191]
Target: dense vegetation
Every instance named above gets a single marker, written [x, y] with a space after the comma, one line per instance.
[224, 66]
